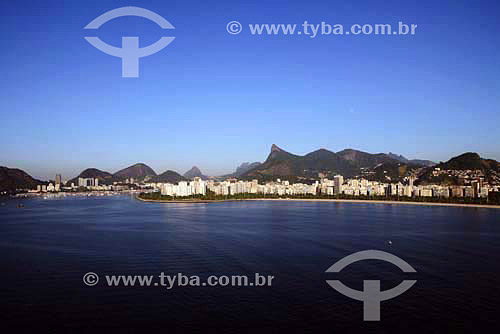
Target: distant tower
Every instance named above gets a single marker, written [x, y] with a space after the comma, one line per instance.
[58, 178]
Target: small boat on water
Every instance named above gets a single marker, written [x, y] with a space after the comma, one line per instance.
[20, 205]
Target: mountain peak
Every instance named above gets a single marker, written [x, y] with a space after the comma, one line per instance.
[136, 171]
[470, 155]
[279, 154]
[139, 164]
[194, 172]
[468, 160]
[275, 148]
[321, 150]
[169, 176]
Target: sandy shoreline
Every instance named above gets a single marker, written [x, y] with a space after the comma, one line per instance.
[186, 201]
[325, 200]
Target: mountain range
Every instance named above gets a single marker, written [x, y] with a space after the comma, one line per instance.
[287, 166]
[325, 163]
[401, 158]
[139, 172]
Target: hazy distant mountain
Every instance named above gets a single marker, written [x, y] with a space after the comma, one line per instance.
[427, 163]
[194, 172]
[13, 178]
[168, 177]
[397, 157]
[401, 158]
[240, 170]
[244, 167]
[138, 171]
[104, 177]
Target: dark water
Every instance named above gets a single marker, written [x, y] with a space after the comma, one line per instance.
[47, 246]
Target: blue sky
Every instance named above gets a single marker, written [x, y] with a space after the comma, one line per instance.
[215, 100]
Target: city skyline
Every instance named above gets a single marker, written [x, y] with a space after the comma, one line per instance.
[473, 187]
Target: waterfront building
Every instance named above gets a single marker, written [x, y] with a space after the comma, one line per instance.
[457, 191]
[425, 192]
[88, 182]
[469, 192]
[408, 191]
[183, 190]
[338, 181]
[393, 189]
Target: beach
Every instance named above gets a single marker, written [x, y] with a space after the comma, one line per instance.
[194, 201]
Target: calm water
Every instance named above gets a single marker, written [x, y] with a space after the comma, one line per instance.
[47, 246]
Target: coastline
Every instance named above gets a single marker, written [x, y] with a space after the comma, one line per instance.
[194, 201]
[464, 205]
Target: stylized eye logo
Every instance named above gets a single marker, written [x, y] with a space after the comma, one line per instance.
[130, 51]
[371, 296]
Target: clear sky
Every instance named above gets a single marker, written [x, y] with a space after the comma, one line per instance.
[214, 100]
